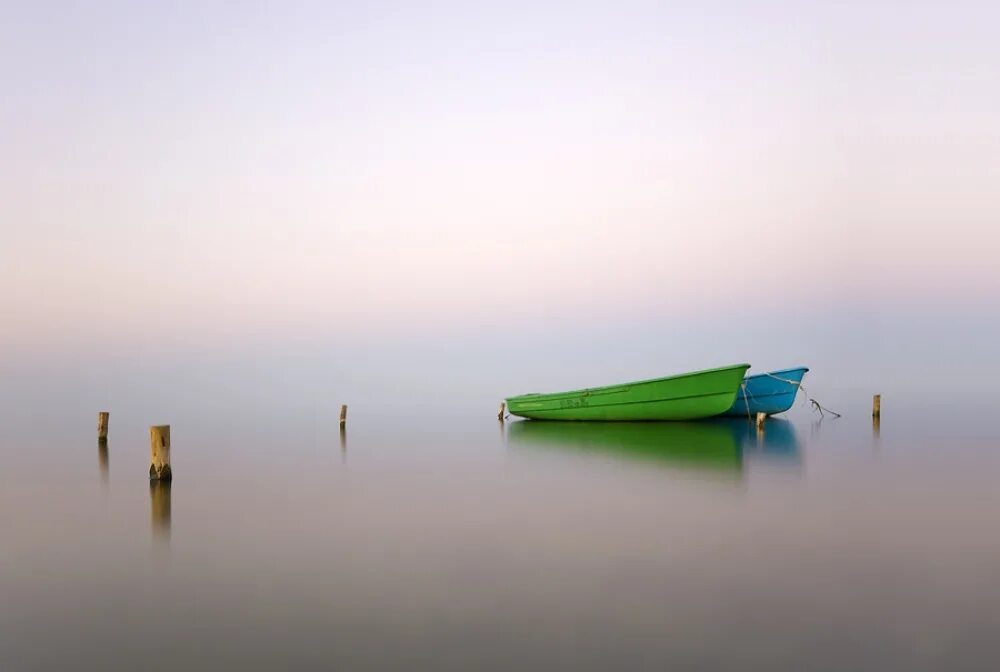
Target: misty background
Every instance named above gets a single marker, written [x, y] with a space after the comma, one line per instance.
[211, 206]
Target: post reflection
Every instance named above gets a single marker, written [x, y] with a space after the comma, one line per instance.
[102, 460]
[776, 442]
[159, 498]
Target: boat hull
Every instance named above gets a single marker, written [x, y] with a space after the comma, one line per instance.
[769, 393]
[689, 396]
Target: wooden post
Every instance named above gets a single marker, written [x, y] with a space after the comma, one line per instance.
[159, 453]
[102, 426]
[503, 406]
[343, 415]
[761, 417]
[877, 406]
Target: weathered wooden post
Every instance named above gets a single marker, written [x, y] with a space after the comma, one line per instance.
[877, 406]
[761, 417]
[343, 415]
[102, 426]
[159, 453]
[503, 407]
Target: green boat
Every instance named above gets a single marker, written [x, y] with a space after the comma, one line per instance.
[700, 446]
[689, 396]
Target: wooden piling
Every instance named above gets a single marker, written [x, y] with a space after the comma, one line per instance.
[503, 407]
[877, 406]
[102, 426]
[159, 453]
[343, 416]
[761, 417]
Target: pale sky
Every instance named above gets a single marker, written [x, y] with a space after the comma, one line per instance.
[211, 172]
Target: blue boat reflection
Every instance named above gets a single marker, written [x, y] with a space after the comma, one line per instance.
[778, 442]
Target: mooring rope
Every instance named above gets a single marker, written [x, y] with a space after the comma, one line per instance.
[797, 383]
[816, 407]
[746, 395]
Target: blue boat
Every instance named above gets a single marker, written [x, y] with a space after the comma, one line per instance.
[770, 393]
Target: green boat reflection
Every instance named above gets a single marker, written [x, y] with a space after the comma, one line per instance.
[700, 446]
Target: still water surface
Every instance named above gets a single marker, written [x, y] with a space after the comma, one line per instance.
[448, 541]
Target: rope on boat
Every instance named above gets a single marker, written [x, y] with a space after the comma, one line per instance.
[815, 404]
[746, 396]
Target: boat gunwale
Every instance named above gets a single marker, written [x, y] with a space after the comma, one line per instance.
[607, 389]
[628, 403]
[766, 374]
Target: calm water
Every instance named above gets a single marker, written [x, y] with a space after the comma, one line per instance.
[447, 541]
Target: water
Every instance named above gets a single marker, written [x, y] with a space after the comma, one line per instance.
[447, 541]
